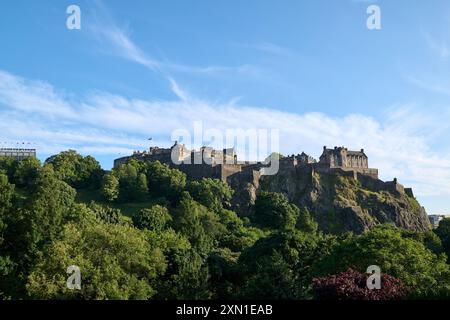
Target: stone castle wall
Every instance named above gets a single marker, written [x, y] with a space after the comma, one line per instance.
[237, 173]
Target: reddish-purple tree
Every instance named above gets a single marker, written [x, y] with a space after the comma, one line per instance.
[352, 285]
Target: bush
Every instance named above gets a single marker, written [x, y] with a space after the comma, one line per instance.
[352, 285]
[154, 219]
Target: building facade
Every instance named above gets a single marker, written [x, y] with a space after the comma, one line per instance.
[17, 154]
[343, 159]
[435, 219]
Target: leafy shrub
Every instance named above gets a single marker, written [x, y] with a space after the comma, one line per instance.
[352, 285]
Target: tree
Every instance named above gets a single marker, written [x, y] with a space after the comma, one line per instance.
[6, 204]
[164, 181]
[6, 201]
[76, 170]
[141, 186]
[132, 182]
[110, 187]
[199, 225]
[187, 274]
[352, 285]
[443, 232]
[223, 272]
[425, 273]
[212, 193]
[34, 225]
[428, 238]
[8, 166]
[279, 266]
[273, 210]
[305, 222]
[154, 219]
[108, 270]
[236, 236]
[49, 205]
[109, 215]
[26, 172]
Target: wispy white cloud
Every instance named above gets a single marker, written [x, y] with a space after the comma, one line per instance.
[118, 40]
[400, 145]
[123, 46]
[40, 96]
[126, 48]
[428, 85]
[178, 91]
[439, 47]
[269, 48]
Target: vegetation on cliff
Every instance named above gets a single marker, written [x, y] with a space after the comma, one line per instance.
[341, 203]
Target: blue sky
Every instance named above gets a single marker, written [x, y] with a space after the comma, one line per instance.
[309, 68]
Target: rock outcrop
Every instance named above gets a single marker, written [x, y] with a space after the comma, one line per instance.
[339, 201]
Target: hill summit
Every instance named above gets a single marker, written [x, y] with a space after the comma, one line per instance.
[339, 190]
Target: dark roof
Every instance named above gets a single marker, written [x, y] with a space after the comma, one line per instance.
[356, 153]
[349, 152]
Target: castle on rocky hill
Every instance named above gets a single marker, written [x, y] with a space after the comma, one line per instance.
[224, 165]
[305, 181]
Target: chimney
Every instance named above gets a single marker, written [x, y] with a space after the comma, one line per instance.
[362, 150]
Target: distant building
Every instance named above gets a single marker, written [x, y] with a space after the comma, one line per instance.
[435, 219]
[17, 154]
[347, 160]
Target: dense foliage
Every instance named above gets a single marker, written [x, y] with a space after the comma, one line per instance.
[142, 231]
[352, 285]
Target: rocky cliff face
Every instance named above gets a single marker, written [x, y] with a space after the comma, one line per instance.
[338, 202]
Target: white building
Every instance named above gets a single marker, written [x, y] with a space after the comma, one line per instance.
[16, 153]
[436, 218]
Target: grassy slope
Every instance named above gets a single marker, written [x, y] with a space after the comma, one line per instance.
[128, 209]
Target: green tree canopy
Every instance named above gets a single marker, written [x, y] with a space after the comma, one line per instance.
[424, 272]
[155, 218]
[6, 202]
[273, 210]
[8, 166]
[110, 187]
[76, 170]
[443, 232]
[164, 181]
[26, 172]
[132, 182]
[116, 262]
[212, 193]
[279, 266]
[197, 223]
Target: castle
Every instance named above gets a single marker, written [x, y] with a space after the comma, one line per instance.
[343, 159]
[223, 164]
